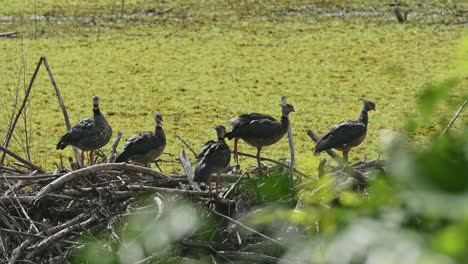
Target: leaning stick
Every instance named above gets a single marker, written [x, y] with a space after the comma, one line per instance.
[94, 169]
[11, 128]
[330, 152]
[454, 117]
[114, 147]
[22, 160]
[247, 228]
[186, 144]
[62, 106]
[188, 169]
[273, 161]
[8, 34]
[49, 240]
[137, 187]
[291, 148]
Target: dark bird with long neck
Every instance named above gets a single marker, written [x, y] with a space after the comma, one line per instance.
[214, 158]
[144, 147]
[348, 134]
[259, 130]
[89, 134]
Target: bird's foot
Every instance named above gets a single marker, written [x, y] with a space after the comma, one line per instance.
[235, 168]
[263, 169]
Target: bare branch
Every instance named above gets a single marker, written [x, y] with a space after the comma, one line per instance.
[22, 160]
[188, 169]
[186, 144]
[454, 117]
[247, 228]
[94, 169]
[62, 106]
[114, 147]
[291, 149]
[11, 128]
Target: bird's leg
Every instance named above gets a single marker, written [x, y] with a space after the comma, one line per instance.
[258, 161]
[209, 185]
[345, 155]
[82, 158]
[236, 155]
[157, 165]
[91, 158]
[217, 183]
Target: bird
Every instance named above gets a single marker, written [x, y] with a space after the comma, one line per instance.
[89, 134]
[144, 147]
[258, 130]
[214, 158]
[347, 134]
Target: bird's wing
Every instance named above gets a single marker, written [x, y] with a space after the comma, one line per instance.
[215, 154]
[205, 149]
[340, 134]
[247, 118]
[81, 130]
[140, 143]
[259, 128]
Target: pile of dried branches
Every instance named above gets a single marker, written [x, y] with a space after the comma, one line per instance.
[43, 217]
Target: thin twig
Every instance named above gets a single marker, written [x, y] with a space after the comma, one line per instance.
[62, 106]
[291, 149]
[32, 177]
[22, 160]
[330, 152]
[8, 34]
[188, 169]
[233, 185]
[454, 117]
[186, 144]
[114, 147]
[47, 241]
[11, 128]
[22, 208]
[247, 228]
[94, 169]
[275, 162]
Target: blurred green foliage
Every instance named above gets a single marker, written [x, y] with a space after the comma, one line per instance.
[416, 212]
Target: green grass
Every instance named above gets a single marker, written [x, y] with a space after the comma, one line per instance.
[203, 63]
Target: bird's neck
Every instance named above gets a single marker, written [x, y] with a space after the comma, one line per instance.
[363, 117]
[285, 122]
[159, 132]
[96, 111]
[98, 116]
[221, 140]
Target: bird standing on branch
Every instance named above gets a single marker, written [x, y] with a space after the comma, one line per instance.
[347, 134]
[214, 158]
[89, 134]
[144, 147]
[259, 130]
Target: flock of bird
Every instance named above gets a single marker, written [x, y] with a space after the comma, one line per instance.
[257, 130]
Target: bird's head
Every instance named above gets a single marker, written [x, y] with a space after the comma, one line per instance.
[368, 105]
[287, 108]
[220, 131]
[95, 101]
[158, 118]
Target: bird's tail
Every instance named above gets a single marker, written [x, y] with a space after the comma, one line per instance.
[319, 147]
[61, 144]
[122, 157]
[229, 135]
[201, 173]
[316, 151]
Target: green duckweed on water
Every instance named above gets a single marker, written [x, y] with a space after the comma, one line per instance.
[202, 62]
